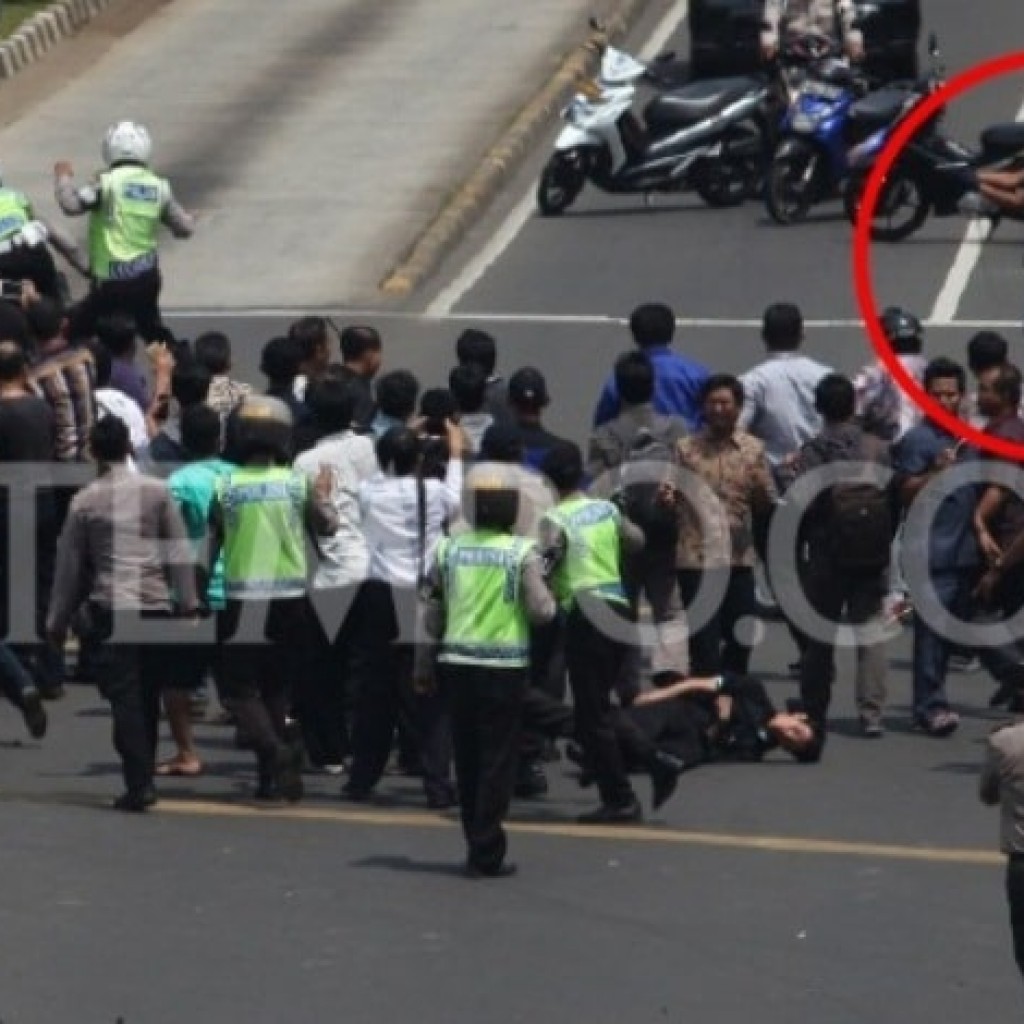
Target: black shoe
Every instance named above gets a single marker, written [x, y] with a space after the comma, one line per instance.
[504, 870]
[664, 772]
[34, 713]
[288, 774]
[136, 802]
[532, 782]
[53, 692]
[607, 814]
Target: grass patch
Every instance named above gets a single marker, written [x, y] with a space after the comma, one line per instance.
[14, 12]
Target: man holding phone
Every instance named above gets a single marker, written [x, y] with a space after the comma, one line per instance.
[948, 549]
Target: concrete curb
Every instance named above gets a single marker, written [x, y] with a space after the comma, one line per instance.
[503, 159]
[39, 34]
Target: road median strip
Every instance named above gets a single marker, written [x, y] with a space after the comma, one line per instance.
[503, 159]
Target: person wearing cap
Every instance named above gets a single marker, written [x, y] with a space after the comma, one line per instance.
[259, 518]
[528, 398]
[487, 587]
[583, 539]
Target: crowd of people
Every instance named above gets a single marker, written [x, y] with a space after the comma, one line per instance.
[362, 568]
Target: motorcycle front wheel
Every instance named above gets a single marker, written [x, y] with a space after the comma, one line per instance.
[560, 183]
[791, 187]
[901, 209]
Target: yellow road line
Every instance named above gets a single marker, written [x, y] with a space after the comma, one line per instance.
[641, 834]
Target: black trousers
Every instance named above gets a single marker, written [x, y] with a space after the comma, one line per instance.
[138, 297]
[1015, 897]
[33, 264]
[130, 676]
[257, 672]
[715, 647]
[486, 709]
[384, 692]
[595, 658]
[329, 665]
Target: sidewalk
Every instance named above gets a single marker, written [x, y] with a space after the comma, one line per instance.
[316, 139]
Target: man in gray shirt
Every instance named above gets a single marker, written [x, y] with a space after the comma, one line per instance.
[778, 406]
[122, 539]
[1002, 783]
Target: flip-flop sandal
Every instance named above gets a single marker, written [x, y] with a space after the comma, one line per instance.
[177, 768]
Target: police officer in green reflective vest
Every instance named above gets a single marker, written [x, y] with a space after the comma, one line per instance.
[487, 587]
[24, 255]
[259, 518]
[126, 204]
[582, 539]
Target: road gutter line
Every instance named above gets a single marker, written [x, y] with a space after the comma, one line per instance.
[569, 830]
[968, 255]
[449, 297]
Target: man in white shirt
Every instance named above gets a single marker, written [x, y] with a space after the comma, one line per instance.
[404, 516]
[342, 565]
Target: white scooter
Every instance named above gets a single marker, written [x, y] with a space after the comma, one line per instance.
[711, 136]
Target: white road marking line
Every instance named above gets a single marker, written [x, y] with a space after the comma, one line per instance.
[551, 319]
[967, 257]
[448, 298]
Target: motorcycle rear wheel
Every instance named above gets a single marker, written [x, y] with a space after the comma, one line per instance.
[788, 196]
[901, 209]
[725, 183]
[560, 183]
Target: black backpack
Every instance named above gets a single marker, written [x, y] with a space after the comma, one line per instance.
[860, 521]
[640, 476]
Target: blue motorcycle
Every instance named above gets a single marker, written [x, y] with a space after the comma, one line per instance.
[810, 163]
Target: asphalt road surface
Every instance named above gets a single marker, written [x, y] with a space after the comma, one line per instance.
[865, 889]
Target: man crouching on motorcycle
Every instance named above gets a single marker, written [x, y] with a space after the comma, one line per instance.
[818, 17]
[127, 204]
[23, 246]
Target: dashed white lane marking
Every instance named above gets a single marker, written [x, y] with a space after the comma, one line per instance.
[448, 298]
[967, 257]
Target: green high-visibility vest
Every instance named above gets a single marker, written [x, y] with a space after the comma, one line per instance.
[264, 547]
[123, 228]
[485, 612]
[15, 212]
[592, 559]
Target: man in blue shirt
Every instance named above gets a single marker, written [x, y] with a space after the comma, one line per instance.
[949, 548]
[677, 380]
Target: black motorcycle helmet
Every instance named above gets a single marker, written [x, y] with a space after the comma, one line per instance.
[903, 329]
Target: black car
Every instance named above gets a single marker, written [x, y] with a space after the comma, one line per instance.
[725, 36]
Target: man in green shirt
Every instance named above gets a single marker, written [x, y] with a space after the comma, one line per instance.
[127, 203]
[582, 539]
[260, 516]
[193, 488]
[487, 587]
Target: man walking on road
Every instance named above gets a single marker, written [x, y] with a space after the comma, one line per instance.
[1002, 783]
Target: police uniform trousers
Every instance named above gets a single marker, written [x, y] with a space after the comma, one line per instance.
[486, 706]
[138, 297]
[598, 638]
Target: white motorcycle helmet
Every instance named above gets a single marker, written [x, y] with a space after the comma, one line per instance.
[127, 142]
